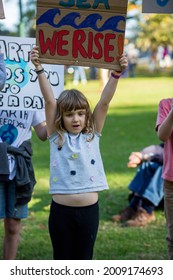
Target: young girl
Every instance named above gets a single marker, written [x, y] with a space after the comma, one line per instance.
[76, 169]
[164, 128]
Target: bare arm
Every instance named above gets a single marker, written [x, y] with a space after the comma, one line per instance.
[41, 131]
[166, 128]
[102, 106]
[50, 102]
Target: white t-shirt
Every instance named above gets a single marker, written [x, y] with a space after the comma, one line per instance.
[77, 167]
[16, 127]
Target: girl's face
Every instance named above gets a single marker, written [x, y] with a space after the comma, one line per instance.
[74, 121]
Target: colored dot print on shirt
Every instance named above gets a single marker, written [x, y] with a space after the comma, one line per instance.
[55, 179]
[74, 156]
[73, 172]
[92, 178]
[92, 161]
[54, 163]
[88, 145]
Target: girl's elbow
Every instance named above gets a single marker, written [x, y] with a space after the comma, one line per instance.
[162, 137]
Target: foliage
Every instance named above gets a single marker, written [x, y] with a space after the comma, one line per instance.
[150, 30]
[155, 30]
[29, 17]
[27, 12]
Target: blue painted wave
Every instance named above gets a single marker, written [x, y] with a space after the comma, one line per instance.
[89, 22]
[162, 3]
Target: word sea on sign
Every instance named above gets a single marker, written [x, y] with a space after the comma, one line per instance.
[81, 32]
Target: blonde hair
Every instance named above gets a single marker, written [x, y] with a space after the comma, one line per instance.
[70, 100]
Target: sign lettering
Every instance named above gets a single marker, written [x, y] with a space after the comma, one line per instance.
[81, 32]
[21, 90]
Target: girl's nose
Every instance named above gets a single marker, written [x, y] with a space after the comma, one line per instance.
[75, 118]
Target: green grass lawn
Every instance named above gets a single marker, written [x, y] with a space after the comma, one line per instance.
[129, 126]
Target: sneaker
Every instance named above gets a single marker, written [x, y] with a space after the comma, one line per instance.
[141, 218]
[124, 215]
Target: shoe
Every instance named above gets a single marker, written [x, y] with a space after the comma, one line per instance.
[124, 215]
[141, 218]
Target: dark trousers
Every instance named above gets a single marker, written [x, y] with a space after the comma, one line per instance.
[73, 231]
[148, 183]
[168, 203]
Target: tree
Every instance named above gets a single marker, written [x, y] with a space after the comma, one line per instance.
[29, 17]
[26, 15]
[132, 21]
[155, 30]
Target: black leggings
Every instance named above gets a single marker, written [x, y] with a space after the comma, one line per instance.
[73, 231]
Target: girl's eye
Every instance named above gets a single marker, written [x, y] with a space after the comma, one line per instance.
[81, 113]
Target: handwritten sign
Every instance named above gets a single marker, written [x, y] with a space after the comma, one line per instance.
[2, 16]
[78, 32]
[157, 6]
[21, 90]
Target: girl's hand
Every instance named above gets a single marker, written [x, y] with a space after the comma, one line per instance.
[34, 56]
[123, 62]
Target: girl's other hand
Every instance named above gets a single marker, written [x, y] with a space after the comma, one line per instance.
[34, 56]
[123, 62]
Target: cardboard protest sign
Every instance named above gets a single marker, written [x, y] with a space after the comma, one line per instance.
[78, 32]
[21, 90]
[157, 6]
[2, 16]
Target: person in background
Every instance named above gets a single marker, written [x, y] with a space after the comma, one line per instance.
[17, 178]
[104, 77]
[146, 187]
[79, 75]
[2, 71]
[76, 169]
[164, 129]
[133, 55]
[16, 171]
[93, 73]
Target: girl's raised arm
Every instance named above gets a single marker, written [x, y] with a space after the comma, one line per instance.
[47, 92]
[102, 106]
